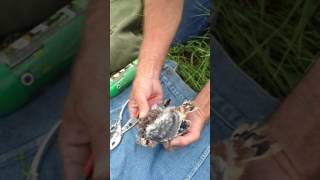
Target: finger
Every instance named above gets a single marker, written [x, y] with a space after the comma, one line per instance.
[74, 149]
[133, 108]
[155, 100]
[158, 94]
[185, 140]
[168, 146]
[143, 106]
[88, 166]
[99, 154]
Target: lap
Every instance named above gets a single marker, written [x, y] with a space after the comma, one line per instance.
[22, 131]
[236, 97]
[132, 161]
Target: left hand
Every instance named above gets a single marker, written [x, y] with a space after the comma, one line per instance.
[83, 135]
[193, 134]
[198, 119]
[84, 130]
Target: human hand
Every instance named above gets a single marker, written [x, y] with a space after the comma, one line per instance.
[198, 119]
[82, 137]
[84, 129]
[145, 92]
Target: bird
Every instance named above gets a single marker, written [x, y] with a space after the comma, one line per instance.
[163, 123]
[248, 143]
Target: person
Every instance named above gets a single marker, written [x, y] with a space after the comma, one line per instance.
[85, 116]
[231, 109]
[253, 104]
[161, 20]
[85, 134]
[293, 123]
[165, 23]
[83, 130]
[301, 104]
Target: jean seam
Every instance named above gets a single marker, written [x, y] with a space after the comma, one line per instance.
[259, 89]
[224, 122]
[203, 156]
[173, 88]
[170, 65]
[235, 109]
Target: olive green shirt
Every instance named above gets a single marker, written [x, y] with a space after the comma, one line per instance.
[125, 32]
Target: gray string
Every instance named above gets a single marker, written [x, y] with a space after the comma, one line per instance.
[34, 174]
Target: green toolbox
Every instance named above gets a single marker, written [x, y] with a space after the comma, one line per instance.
[37, 57]
[122, 79]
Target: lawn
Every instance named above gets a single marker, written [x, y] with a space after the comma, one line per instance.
[193, 60]
[275, 42]
[193, 57]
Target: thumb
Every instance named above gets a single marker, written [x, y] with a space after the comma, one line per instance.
[185, 140]
[143, 106]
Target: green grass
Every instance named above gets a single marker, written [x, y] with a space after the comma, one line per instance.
[193, 61]
[275, 42]
[193, 57]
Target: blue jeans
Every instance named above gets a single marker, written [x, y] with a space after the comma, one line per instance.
[22, 131]
[236, 98]
[132, 161]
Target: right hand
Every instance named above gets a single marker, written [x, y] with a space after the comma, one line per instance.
[145, 92]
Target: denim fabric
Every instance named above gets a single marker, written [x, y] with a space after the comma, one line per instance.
[132, 161]
[236, 97]
[194, 21]
[21, 133]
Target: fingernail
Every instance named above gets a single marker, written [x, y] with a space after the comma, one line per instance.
[137, 115]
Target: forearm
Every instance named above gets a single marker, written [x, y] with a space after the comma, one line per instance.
[296, 125]
[161, 20]
[88, 84]
[202, 101]
[88, 90]
[92, 59]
